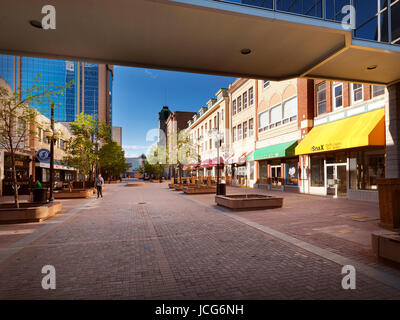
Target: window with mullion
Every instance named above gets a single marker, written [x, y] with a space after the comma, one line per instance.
[357, 92]
[321, 98]
[337, 95]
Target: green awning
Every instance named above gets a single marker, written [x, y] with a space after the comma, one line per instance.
[276, 151]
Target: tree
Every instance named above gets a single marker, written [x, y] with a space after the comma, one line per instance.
[83, 147]
[112, 160]
[182, 150]
[18, 117]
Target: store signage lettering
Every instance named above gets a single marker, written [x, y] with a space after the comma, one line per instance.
[318, 148]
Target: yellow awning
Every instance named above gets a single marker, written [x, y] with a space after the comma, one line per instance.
[367, 129]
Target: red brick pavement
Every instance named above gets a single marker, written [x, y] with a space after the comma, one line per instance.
[150, 242]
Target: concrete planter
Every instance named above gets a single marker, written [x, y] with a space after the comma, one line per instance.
[251, 202]
[179, 187]
[135, 185]
[113, 181]
[28, 212]
[199, 190]
[389, 203]
[73, 194]
[386, 245]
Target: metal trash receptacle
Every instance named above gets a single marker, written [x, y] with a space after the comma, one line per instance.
[221, 189]
[40, 195]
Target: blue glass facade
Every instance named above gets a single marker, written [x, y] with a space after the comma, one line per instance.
[55, 72]
[59, 72]
[91, 90]
[376, 20]
[7, 69]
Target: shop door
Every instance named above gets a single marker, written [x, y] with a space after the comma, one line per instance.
[336, 180]
[276, 177]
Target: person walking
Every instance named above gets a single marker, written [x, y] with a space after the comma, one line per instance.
[99, 183]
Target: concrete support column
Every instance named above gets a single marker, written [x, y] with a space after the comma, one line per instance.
[392, 125]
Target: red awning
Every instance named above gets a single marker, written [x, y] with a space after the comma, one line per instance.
[206, 163]
[242, 158]
[214, 161]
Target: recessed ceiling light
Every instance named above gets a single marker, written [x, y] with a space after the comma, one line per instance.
[373, 67]
[36, 24]
[245, 51]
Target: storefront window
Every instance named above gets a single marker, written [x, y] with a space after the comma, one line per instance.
[263, 172]
[317, 171]
[291, 172]
[337, 157]
[365, 168]
[251, 170]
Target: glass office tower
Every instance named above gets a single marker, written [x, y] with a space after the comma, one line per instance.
[376, 20]
[90, 92]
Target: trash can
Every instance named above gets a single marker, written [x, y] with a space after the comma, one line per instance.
[40, 195]
[221, 189]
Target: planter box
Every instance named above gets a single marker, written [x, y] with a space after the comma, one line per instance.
[135, 185]
[386, 245]
[171, 185]
[179, 187]
[251, 202]
[389, 203]
[113, 181]
[66, 194]
[28, 212]
[199, 190]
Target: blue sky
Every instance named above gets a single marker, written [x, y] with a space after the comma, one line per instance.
[139, 94]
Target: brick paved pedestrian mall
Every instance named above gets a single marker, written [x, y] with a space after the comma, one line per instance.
[312, 119]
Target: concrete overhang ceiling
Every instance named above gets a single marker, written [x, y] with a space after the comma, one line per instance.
[201, 36]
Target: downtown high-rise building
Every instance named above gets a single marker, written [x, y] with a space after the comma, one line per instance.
[90, 92]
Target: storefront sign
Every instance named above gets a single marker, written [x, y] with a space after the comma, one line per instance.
[43, 154]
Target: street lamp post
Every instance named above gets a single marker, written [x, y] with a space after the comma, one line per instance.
[52, 135]
[218, 136]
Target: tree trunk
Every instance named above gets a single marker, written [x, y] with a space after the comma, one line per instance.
[14, 172]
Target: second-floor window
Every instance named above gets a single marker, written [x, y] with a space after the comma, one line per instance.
[263, 121]
[276, 116]
[239, 132]
[357, 93]
[321, 98]
[378, 91]
[290, 110]
[245, 130]
[251, 96]
[234, 134]
[251, 127]
[337, 95]
[239, 103]
[245, 100]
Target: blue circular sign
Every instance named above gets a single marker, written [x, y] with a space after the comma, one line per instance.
[43, 154]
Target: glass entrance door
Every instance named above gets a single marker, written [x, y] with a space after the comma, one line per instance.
[336, 180]
[276, 176]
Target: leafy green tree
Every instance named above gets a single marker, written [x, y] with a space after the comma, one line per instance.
[83, 147]
[181, 151]
[18, 117]
[112, 160]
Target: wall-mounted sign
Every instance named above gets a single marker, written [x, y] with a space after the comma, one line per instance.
[43, 154]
